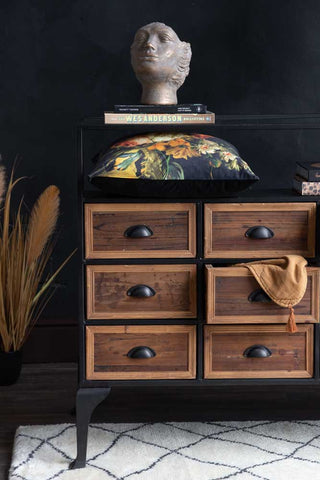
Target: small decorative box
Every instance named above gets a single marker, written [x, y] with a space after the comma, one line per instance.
[306, 188]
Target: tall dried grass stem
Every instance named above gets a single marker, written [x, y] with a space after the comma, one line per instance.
[43, 220]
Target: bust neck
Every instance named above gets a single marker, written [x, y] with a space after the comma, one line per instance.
[159, 94]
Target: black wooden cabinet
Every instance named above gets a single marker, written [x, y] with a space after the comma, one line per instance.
[168, 309]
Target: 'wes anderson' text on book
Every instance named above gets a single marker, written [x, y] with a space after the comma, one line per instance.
[158, 118]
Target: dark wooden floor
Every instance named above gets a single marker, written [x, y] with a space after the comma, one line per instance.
[45, 394]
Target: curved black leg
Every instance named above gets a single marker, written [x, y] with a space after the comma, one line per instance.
[87, 400]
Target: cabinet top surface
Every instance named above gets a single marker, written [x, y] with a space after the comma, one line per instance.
[248, 196]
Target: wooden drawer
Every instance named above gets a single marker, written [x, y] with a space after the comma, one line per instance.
[171, 229]
[291, 354]
[108, 347]
[292, 224]
[228, 291]
[108, 291]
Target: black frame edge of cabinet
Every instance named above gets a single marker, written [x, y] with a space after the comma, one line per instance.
[250, 196]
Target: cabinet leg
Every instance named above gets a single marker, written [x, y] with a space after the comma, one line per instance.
[87, 400]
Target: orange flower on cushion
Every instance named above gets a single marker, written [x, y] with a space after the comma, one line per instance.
[157, 146]
[182, 151]
[177, 141]
[163, 146]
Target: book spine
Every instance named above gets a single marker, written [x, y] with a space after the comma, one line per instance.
[182, 108]
[158, 118]
[309, 175]
[314, 175]
[302, 172]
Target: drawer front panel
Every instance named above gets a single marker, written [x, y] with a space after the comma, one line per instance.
[291, 224]
[172, 289]
[174, 347]
[291, 354]
[168, 230]
[228, 291]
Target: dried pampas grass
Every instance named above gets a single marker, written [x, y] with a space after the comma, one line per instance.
[24, 254]
[42, 222]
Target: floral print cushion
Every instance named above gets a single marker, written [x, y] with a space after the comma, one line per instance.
[172, 156]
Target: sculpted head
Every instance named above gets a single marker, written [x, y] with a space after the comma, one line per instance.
[160, 61]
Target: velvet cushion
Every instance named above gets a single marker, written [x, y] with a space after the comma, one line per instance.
[172, 164]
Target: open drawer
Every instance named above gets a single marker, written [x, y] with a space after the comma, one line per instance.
[234, 296]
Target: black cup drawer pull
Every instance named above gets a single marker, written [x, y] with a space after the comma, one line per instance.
[138, 231]
[257, 351]
[141, 352]
[259, 233]
[259, 295]
[141, 291]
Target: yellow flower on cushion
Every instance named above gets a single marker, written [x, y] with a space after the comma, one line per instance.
[125, 167]
[118, 174]
[231, 161]
[233, 164]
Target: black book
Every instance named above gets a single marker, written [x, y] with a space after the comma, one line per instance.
[308, 171]
[179, 108]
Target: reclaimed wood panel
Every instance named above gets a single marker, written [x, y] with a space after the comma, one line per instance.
[175, 287]
[292, 354]
[173, 226]
[107, 348]
[293, 225]
[228, 289]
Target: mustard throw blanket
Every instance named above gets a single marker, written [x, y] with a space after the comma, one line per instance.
[283, 279]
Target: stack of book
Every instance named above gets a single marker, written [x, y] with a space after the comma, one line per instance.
[307, 178]
[159, 114]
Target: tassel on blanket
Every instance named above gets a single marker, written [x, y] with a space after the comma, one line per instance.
[291, 325]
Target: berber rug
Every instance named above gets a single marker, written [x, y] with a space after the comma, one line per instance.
[266, 450]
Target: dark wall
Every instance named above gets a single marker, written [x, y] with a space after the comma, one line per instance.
[63, 60]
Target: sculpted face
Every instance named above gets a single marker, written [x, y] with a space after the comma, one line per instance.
[160, 61]
[156, 50]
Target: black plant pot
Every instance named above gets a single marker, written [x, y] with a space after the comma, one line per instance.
[10, 367]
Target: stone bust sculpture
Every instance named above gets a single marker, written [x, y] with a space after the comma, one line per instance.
[160, 61]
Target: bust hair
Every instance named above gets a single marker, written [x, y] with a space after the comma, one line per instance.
[183, 67]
